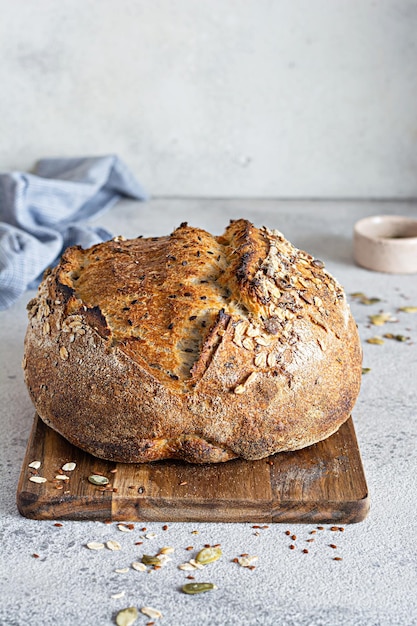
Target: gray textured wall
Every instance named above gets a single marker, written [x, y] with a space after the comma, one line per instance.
[288, 98]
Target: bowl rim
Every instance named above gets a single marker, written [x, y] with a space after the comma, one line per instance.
[388, 219]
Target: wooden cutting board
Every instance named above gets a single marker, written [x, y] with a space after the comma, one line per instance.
[323, 483]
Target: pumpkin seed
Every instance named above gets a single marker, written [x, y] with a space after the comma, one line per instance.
[127, 617]
[208, 555]
[408, 309]
[122, 570]
[369, 301]
[194, 588]
[96, 479]
[380, 319]
[37, 479]
[150, 560]
[375, 340]
[396, 337]
[363, 299]
[35, 464]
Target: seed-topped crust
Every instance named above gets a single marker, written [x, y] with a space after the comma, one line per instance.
[192, 346]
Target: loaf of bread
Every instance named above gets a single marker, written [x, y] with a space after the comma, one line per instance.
[192, 346]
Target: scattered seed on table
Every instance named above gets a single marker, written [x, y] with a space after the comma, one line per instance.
[375, 340]
[116, 596]
[337, 558]
[247, 561]
[139, 567]
[292, 547]
[194, 588]
[305, 551]
[121, 570]
[37, 479]
[148, 559]
[113, 545]
[127, 617]
[35, 556]
[334, 528]
[293, 537]
[124, 528]
[97, 479]
[165, 527]
[95, 545]
[288, 532]
[69, 467]
[332, 545]
[208, 555]
[186, 567]
[57, 524]
[151, 612]
[320, 527]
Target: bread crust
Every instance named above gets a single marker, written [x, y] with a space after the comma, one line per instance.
[192, 346]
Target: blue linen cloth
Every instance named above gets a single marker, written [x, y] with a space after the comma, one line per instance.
[43, 213]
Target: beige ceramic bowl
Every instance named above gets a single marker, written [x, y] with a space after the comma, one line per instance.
[386, 243]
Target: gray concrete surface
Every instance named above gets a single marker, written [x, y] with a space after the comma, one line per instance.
[374, 584]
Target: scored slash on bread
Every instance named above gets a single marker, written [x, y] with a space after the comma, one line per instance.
[192, 346]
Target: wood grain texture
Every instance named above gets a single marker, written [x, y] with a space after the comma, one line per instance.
[322, 483]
